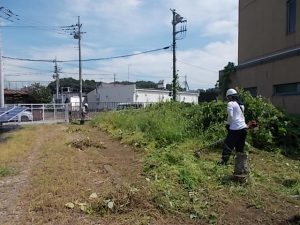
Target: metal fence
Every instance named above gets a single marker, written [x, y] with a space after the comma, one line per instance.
[108, 106]
[42, 113]
[55, 113]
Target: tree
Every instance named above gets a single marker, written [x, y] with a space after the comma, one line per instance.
[139, 84]
[208, 95]
[87, 85]
[224, 80]
[39, 94]
[145, 84]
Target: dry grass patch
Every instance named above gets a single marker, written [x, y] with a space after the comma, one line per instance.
[64, 177]
[61, 176]
[15, 147]
[65, 185]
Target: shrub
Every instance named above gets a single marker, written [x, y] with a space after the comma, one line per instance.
[276, 129]
[174, 122]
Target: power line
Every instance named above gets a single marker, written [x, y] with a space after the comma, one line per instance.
[7, 14]
[200, 67]
[86, 60]
[30, 68]
[89, 74]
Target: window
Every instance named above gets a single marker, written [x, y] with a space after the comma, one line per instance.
[291, 16]
[287, 89]
[252, 90]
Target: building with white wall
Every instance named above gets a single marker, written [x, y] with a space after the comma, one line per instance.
[108, 96]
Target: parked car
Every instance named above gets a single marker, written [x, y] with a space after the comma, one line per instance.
[25, 116]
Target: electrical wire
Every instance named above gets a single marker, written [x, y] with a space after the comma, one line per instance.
[86, 60]
[200, 67]
[30, 68]
[90, 74]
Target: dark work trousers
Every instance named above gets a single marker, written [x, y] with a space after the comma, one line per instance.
[235, 140]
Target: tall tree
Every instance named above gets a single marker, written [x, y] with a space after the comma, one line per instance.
[224, 80]
[39, 94]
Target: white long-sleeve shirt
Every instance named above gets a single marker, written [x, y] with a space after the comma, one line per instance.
[235, 119]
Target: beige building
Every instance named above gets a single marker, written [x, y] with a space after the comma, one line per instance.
[269, 51]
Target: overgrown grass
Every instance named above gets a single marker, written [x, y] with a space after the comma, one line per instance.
[17, 148]
[180, 183]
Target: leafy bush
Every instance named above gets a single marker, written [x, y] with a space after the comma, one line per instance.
[170, 132]
[276, 129]
[173, 122]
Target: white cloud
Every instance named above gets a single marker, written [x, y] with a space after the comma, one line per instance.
[117, 27]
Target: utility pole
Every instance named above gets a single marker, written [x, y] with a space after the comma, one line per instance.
[75, 31]
[77, 35]
[8, 15]
[1, 81]
[176, 20]
[56, 77]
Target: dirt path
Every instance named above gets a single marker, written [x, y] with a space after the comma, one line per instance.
[54, 173]
[11, 187]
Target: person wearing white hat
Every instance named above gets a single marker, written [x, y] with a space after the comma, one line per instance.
[237, 132]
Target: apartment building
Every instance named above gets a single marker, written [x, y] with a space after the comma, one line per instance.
[269, 51]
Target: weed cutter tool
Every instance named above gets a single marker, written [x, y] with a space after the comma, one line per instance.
[198, 151]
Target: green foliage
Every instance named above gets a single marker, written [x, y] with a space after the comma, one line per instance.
[39, 94]
[225, 80]
[208, 95]
[170, 133]
[145, 84]
[173, 122]
[276, 129]
[6, 171]
[87, 85]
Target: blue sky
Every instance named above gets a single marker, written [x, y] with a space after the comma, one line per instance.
[120, 27]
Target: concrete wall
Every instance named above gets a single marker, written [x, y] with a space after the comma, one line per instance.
[265, 76]
[144, 95]
[263, 28]
[188, 97]
[117, 93]
[263, 32]
[92, 99]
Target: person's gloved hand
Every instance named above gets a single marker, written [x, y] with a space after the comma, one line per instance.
[252, 124]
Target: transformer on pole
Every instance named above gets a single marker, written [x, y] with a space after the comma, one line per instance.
[177, 35]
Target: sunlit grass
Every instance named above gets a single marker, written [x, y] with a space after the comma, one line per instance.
[181, 183]
[17, 145]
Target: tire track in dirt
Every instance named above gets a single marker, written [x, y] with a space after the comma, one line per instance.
[11, 187]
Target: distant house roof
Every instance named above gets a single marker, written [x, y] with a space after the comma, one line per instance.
[16, 96]
[15, 92]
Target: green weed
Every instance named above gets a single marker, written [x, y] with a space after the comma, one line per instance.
[4, 171]
[180, 183]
